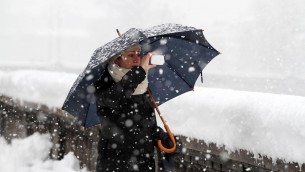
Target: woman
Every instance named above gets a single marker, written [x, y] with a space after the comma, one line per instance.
[129, 130]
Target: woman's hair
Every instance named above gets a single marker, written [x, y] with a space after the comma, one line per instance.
[134, 46]
[120, 54]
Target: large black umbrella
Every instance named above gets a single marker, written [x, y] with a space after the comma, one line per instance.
[186, 52]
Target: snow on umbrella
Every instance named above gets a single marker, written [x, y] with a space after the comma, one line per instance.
[186, 53]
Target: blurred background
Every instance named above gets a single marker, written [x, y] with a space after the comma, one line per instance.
[261, 42]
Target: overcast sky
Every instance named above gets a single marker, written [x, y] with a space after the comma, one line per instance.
[254, 36]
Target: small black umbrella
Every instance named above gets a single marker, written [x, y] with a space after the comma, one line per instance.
[186, 53]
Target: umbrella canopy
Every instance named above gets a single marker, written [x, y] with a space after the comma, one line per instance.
[186, 53]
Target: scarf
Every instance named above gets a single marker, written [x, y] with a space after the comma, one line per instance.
[117, 74]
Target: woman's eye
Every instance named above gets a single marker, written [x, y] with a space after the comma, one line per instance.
[131, 55]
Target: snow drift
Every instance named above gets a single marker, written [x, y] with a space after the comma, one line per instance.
[31, 155]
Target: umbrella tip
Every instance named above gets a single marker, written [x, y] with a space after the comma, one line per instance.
[117, 30]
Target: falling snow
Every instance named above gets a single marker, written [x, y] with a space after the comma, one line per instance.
[246, 118]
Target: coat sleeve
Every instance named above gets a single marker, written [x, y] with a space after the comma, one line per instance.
[121, 90]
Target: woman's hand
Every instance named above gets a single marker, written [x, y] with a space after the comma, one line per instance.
[145, 62]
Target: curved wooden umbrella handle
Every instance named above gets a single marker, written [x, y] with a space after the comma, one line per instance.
[171, 136]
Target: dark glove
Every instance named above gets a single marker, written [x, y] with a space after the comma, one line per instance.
[169, 158]
[160, 134]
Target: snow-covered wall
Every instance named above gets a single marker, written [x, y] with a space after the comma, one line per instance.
[262, 123]
[269, 124]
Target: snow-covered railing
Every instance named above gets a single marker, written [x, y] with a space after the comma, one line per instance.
[21, 119]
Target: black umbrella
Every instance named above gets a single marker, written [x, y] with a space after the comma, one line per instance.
[186, 53]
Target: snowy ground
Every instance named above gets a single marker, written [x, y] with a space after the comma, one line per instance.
[269, 124]
[31, 155]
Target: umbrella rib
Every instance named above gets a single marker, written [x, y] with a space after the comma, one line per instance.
[86, 115]
[209, 46]
[179, 75]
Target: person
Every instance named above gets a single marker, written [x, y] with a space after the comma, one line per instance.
[129, 130]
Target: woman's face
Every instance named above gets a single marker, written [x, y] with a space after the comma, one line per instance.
[129, 58]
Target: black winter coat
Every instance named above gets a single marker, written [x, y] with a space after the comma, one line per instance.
[128, 121]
